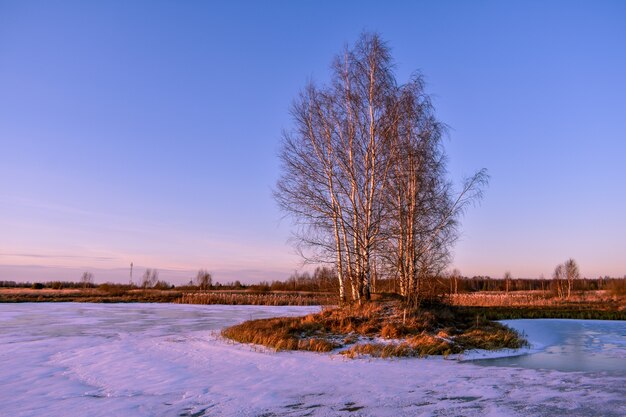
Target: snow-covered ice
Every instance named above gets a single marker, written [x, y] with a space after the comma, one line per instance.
[72, 359]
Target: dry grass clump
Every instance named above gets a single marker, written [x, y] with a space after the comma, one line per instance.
[284, 333]
[427, 344]
[366, 319]
[491, 337]
[401, 324]
[415, 346]
[378, 350]
[439, 330]
[388, 320]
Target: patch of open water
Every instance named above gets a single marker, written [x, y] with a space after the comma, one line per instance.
[569, 345]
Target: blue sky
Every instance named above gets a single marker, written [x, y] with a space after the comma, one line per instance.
[148, 131]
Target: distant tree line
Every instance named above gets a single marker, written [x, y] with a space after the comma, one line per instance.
[57, 285]
[324, 279]
[486, 283]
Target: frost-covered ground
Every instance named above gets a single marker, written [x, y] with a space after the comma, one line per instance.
[166, 360]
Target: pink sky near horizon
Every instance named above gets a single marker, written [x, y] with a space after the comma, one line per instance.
[233, 255]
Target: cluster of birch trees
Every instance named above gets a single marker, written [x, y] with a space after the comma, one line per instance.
[564, 276]
[364, 176]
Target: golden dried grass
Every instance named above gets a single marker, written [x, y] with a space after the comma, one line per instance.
[258, 298]
[437, 331]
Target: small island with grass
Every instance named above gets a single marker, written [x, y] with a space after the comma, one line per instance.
[380, 329]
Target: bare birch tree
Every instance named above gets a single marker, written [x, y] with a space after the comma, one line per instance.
[455, 275]
[571, 274]
[423, 210]
[564, 276]
[507, 281]
[204, 279]
[87, 279]
[150, 278]
[335, 163]
[309, 187]
[558, 278]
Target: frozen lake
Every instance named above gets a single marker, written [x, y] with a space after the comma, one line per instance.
[74, 359]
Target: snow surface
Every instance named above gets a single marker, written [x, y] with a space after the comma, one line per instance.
[73, 359]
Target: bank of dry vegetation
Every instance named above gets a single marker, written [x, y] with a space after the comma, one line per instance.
[105, 293]
[498, 305]
[379, 330]
[278, 298]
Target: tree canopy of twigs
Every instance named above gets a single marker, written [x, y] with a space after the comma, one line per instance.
[364, 176]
